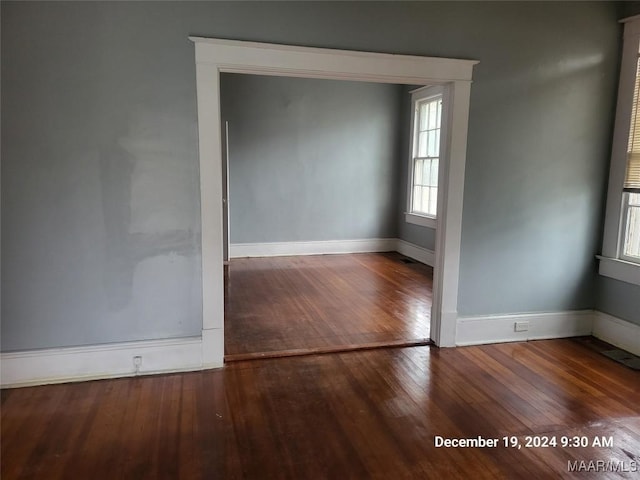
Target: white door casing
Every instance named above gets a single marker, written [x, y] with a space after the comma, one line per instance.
[214, 56]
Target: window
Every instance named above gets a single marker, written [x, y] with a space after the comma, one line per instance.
[630, 240]
[621, 248]
[426, 125]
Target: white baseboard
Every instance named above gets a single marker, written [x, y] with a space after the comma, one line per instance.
[501, 328]
[58, 365]
[324, 247]
[212, 348]
[618, 332]
[278, 249]
[416, 252]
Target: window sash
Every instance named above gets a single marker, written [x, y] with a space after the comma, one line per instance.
[632, 173]
[425, 159]
[424, 198]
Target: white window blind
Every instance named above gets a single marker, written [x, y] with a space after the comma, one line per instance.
[630, 245]
[632, 176]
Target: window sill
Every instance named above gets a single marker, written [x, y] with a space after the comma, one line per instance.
[619, 269]
[422, 220]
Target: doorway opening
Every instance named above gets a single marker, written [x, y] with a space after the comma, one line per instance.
[215, 56]
[321, 163]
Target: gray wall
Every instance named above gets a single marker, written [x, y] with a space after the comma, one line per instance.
[100, 169]
[311, 159]
[99, 177]
[619, 299]
[628, 8]
[538, 148]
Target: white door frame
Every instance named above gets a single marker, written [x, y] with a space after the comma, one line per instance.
[214, 56]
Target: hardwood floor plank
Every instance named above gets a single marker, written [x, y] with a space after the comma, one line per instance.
[323, 302]
[571, 358]
[361, 414]
[576, 382]
[189, 429]
[34, 436]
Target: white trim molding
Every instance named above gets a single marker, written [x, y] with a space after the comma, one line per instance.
[213, 56]
[421, 220]
[72, 364]
[446, 271]
[502, 328]
[308, 62]
[324, 247]
[416, 252]
[329, 247]
[618, 332]
[619, 269]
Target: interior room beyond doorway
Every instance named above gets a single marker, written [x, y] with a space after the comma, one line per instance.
[316, 161]
[282, 306]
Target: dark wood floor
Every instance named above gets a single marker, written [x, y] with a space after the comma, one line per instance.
[355, 415]
[325, 302]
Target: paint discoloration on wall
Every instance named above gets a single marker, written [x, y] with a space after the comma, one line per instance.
[100, 185]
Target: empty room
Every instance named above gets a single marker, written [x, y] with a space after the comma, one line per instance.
[316, 166]
[320, 240]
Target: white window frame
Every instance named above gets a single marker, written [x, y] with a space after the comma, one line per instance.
[613, 263]
[417, 96]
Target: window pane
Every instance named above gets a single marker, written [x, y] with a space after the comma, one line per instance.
[426, 172]
[433, 114]
[634, 199]
[432, 150]
[433, 200]
[423, 116]
[632, 237]
[422, 144]
[434, 172]
[417, 199]
[439, 118]
[425, 200]
[417, 172]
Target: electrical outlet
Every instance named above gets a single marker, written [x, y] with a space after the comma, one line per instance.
[521, 326]
[137, 361]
